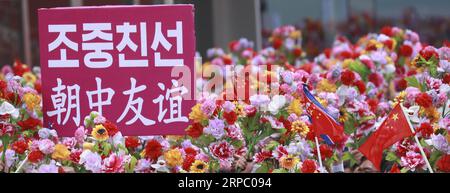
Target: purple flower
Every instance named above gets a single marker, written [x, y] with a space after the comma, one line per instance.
[208, 107]
[46, 146]
[48, 168]
[259, 100]
[440, 143]
[215, 128]
[228, 106]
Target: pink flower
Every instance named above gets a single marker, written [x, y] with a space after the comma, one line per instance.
[412, 160]
[222, 150]
[80, 134]
[113, 164]
[261, 156]
[46, 146]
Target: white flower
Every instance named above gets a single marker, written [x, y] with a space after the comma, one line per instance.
[160, 166]
[390, 68]
[7, 108]
[259, 100]
[278, 101]
[45, 133]
[92, 161]
[118, 139]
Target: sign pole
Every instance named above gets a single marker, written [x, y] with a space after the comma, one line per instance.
[417, 141]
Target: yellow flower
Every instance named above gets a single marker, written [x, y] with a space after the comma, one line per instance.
[289, 161]
[325, 86]
[29, 77]
[300, 127]
[343, 115]
[197, 114]
[32, 101]
[295, 34]
[61, 152]
[347, 63]
[295, 107]
[173, 157]
[100, 133]
[431, 113]
[199, 166]
[88, 146]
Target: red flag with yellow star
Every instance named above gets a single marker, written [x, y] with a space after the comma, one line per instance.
[394, 128]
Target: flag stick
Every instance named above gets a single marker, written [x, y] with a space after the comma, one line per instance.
[21, 164]
[417, 141]
[318, 152]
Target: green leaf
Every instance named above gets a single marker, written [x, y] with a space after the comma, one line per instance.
[392, 157]
[412, 81]
[279, 170]
[349, 126]
[263, 169]
[347, 156]
[106, 148]
[360, 68]
[130, 166]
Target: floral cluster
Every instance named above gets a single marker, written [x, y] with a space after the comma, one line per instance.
[357, 83]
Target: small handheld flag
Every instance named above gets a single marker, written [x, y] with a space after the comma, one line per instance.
[325, 125]
[394, 128]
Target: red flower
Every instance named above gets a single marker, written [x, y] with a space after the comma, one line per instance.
[29, 124]
[222, 150]
[425, 129]
[325, 151]
[111, 128]
[35, 156]
[13, 98]
[429, 52]
[443, 163]
[19, 146]
[261, 156]
[376, 79]
[297, 52]
[195, 130]
[389, 43]
[401, 84]
[361, 86]
[277, 42]
[347, 77]
[373, 103]
[424, 100]
[230, 117]
[75, 156]
[405, 50]
[19, 68]
[233, 45]
[227, 60]
[395, 169]
[187, 162]
[131, 142]
[446, 78]
[309, 166]
[153, 149]
[387, 30]
[190, 151]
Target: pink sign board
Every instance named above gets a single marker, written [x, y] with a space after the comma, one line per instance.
[117, 61]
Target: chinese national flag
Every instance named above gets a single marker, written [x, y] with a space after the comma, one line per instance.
[394, 128]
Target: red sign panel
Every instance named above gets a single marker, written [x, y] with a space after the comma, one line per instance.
[117, 61]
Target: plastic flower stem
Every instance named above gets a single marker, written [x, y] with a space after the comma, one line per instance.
[417, 141]
[318, 152]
